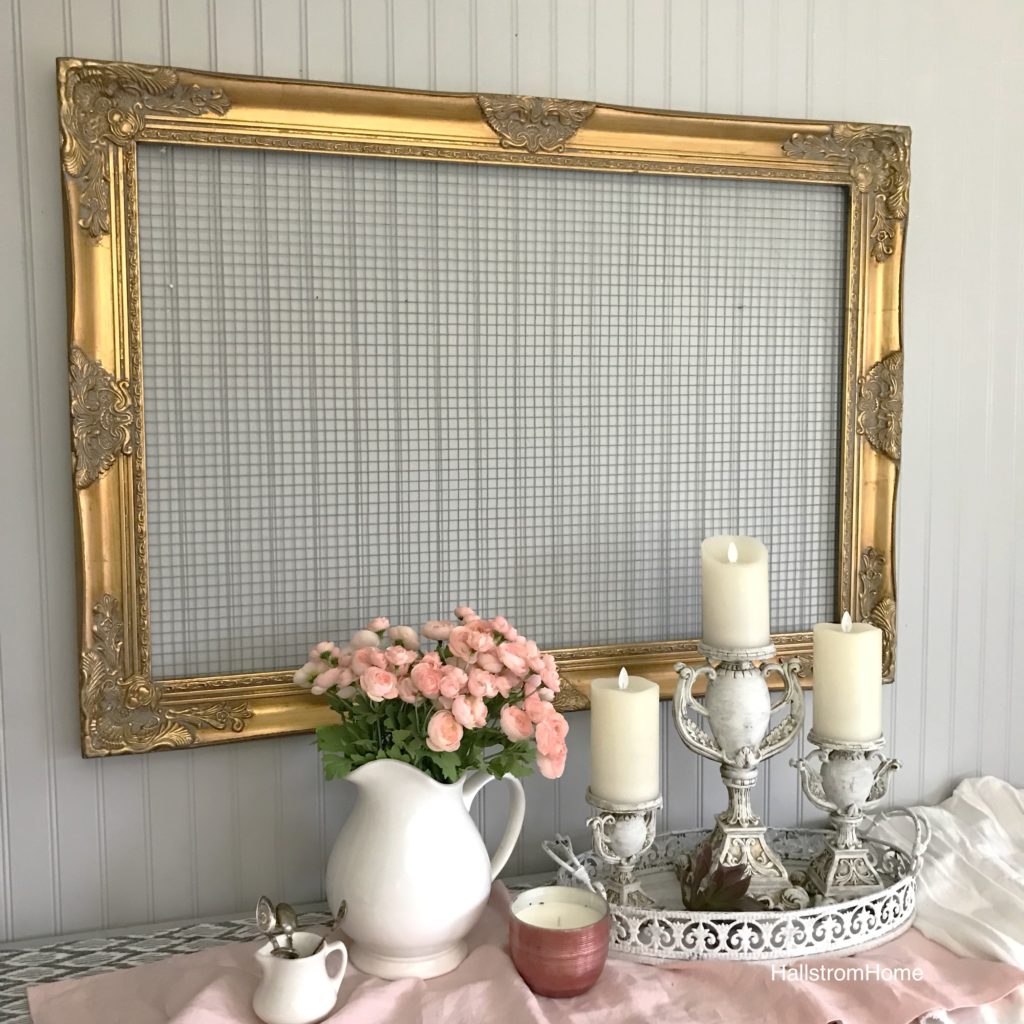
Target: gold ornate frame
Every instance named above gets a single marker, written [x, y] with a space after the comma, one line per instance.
[107, 109]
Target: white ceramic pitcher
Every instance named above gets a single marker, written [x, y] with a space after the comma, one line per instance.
[300, 991]
[411, 868]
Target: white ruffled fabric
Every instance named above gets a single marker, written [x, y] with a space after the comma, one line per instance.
[970, 894]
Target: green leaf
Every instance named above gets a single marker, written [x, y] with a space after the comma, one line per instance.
[447, 762]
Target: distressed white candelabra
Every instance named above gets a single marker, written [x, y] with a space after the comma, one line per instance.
[622, 833]
[846, 779]
[738, 707]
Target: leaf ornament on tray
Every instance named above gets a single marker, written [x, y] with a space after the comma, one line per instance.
[723, 889]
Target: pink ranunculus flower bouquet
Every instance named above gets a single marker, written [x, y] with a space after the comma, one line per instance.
[479, 698]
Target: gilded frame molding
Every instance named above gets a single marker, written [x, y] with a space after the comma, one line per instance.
[108, 108]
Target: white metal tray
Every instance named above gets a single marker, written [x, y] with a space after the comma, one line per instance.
[668, 931]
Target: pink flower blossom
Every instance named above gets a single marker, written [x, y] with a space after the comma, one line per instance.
[305, 675]
[513, 656]
[489, 662]
[532, 685]
[504, 627]
[453, 680]
[378, 625]
[551, 767]
[317, 651]
[437, 629]
[364, 638]
[443, 732]
[468, 639]
[551, 732]
[515, 723]
[326, 680]
[368, 657]
[427, 678]
[507, 683]
[379, 684]
[469, 712]
[406, 636]
[482, 684]
[465, 613]
[432, 658]
[400, 657]
[407, 690]
[537, 708]
[549, 672]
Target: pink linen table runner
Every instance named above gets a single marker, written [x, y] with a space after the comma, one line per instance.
[216, 987]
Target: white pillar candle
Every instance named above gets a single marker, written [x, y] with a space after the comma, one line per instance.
[625, 739]
[734, 589]
[847, 696]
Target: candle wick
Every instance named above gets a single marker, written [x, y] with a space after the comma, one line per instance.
[623, 679]
[731, 553]
[847, 623]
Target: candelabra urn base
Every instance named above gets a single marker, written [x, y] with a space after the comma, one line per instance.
[738, 708]
[844, 869]
[622, 832]
[846, 779]
[739, 837]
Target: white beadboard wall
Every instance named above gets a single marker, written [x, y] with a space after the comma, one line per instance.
[87, 844]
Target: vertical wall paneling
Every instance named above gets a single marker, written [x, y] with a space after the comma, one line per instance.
[234, 37]
[534, 71]
[188, 32]
[648, 54]
[495, 46]
[325, 43]
[138, 30]
[370, 51]
[573, 69]
[411, 42]
[454, 63]
[280, 41]
[83, 844]
[612, 61]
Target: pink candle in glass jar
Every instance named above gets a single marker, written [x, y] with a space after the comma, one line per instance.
[558, 938]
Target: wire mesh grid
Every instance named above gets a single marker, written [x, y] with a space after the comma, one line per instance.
[380, 386]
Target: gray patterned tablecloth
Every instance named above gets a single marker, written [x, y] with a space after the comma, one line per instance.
[58, 960]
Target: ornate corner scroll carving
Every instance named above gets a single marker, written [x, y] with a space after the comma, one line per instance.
[877, 608]
[124, 715]
[805, 665]
[533, 123]
[569, 698]
[879, 162]
[103, 422]
[880, 405]
[105, 104]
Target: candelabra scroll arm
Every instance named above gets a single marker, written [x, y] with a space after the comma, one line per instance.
[689, 731]
[810, 779]
[785, 732]
[880, 783]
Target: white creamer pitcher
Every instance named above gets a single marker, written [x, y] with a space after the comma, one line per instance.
[299, 991]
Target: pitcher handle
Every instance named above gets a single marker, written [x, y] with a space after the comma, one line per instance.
[339, 977]
[516, 814]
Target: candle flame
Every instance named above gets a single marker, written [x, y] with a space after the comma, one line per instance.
[847, 623]
[623, 679]
[731, 553]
